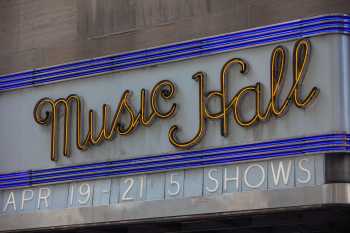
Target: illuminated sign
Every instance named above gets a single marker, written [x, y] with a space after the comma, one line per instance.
[126, 118]
[196, 127]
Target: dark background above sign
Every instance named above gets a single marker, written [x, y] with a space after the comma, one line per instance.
[48, 32]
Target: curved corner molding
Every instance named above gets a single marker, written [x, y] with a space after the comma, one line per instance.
[182, 160]
[326, 24]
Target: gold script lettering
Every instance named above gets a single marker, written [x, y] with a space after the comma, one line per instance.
[164, 90]
[301, 58]
[150, 107]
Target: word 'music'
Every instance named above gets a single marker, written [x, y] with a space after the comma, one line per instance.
[126, 119]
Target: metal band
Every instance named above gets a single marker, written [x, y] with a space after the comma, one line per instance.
[182, 160]
[329, 24]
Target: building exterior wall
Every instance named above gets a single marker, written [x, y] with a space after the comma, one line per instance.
[37, 34]
[42, 33]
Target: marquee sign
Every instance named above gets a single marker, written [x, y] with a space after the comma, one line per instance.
[165, 90]
[248, 113]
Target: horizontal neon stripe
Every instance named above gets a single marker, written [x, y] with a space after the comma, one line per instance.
[189, 159]
[297, 23]
[174, 52]
[110, 62]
